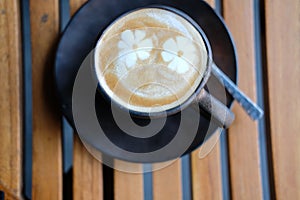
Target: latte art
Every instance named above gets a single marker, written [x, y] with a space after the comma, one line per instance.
[150, 60]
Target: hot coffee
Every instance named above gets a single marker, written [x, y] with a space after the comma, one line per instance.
[150, 60]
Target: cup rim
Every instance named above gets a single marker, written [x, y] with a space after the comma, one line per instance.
[192, 97]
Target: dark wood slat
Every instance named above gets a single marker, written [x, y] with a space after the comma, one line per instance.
[243, 134]
[283, 70]
[46, 141]
[10, 100]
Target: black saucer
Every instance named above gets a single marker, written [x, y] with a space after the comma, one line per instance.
[79, 39]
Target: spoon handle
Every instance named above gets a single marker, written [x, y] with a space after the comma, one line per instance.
[253, 110]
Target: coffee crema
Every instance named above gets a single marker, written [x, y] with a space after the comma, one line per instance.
[150, 60]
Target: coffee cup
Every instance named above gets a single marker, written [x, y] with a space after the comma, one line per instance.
[156, 61]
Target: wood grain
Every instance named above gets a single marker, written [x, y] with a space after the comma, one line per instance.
[87, 174]
[167, 182]
[87, 171]
[46, 141]
[243, 134]
[283, 67]
[10, 100]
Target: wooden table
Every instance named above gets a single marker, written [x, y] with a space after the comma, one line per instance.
[253, 160]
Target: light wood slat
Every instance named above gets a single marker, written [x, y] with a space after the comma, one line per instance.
[10, 100]
[206, 172]
[87, 171]
[46, 141]
[283, 54]
[128, 185]
[243, 134]
[87, 174]
[206, 175]
[167, 182]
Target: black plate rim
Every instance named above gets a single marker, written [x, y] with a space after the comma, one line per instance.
[60, 96]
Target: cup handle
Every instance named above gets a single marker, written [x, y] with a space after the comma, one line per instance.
[222, 115]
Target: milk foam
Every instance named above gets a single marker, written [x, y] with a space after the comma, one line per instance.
[150, 60]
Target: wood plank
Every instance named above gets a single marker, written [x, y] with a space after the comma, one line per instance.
[283, 67]
[167, 182]
[206, 172]
[10, 100]
[87, 174]
[243, 134]
[46, 141]
[87, 171]
[128, 185]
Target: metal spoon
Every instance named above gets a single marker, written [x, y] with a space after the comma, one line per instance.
[253, 110]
